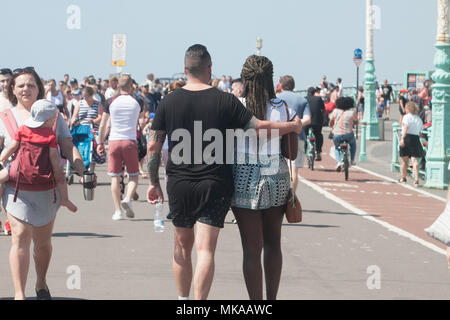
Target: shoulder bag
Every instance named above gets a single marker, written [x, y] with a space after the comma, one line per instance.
[289, 142]
[293, 206]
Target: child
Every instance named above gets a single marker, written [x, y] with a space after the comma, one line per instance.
[381, 106]
[38, 130]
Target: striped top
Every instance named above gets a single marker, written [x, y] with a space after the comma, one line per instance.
[344, 121]
[87, 113]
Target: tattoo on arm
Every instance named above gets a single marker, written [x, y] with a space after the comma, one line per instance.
[154, 161]
[156, 140]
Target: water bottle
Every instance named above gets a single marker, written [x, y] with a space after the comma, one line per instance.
[159, 218]
[88, 186]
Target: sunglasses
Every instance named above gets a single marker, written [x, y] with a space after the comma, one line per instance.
[22, 70]
[5, 71]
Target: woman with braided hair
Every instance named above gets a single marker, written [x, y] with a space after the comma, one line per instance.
[261, 184]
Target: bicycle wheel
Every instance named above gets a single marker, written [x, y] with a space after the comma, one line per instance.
[346, 166]
[311, 161]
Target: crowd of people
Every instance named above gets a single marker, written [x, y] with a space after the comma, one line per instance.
[200, 193]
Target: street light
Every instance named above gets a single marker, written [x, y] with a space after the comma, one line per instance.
[370, 108]
[439, 143]
[259, 44]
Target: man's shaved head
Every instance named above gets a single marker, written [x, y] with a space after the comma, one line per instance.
[125, 83]
[197, 60]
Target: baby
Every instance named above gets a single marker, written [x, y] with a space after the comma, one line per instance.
[39, 131]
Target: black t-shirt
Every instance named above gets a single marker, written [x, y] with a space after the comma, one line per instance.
[317, 107]
[190, 114]
[387, 92]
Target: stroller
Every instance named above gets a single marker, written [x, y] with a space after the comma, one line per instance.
[83, 138]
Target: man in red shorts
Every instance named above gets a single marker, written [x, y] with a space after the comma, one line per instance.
[123, 110]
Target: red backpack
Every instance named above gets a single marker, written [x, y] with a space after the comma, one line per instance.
[31, 169]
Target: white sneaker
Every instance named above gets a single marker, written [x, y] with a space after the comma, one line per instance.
[118, 215]
[126, 205]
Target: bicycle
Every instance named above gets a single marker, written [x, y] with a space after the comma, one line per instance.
[310, 149]
[343, 150]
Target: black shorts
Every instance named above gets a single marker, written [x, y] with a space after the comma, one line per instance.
[212, 214]
[412, 148]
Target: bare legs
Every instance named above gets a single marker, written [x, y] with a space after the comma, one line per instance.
[261, 230]
[19, 257]
[404, 167]
[205, 244]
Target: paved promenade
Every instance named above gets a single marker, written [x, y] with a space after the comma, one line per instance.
[361, 239]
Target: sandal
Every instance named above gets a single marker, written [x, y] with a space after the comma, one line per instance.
[402, 180]
[43, 294]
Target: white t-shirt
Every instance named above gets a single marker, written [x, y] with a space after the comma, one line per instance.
[414, 123]
[57, 100]
[124, 112]
[276, 112]
[109, 93]
[4, 103]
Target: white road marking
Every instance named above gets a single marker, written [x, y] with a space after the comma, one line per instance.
[365, 215]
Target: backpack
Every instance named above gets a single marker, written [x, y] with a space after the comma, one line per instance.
[31, 169]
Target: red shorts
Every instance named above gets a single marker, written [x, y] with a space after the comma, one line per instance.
[123, 152]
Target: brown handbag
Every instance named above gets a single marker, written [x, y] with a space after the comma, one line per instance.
[293, 206]
[289, 141]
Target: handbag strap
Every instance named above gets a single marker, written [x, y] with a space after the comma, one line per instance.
[289, 142]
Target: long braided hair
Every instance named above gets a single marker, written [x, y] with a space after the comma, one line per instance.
[257, 75]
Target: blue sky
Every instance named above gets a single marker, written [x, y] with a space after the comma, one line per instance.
[305, 39]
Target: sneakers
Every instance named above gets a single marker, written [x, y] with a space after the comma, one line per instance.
[126, 206]
[402, 180]
[118, 215]
[339, 166]
[318, 157]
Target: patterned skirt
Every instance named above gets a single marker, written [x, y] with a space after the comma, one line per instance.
[261, 183]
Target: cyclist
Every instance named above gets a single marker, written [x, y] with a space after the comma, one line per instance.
[342, 120]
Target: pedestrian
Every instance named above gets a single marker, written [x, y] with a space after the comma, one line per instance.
[112, 89]
[199, 191]
[237, 89]
[340, 87]
[317, 109]
[388, 96]
[342, 120]
[360, 103]
[402, 104]
[301, 107]
[410, 146]
[32, 222]
[123, 110]
[5, 78]
[260, 193]
[37, 131]
[57, 97]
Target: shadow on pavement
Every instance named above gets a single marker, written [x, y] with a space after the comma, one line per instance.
[53, 298]
[302, 225]
[87, 235]
[337, 213]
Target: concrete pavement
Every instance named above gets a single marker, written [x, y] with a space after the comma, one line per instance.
[334, 253]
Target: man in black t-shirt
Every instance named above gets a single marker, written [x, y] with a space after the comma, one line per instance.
[200, 183]
[388, 96]
[317, 108]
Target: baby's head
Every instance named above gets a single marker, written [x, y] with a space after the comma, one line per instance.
[43, 114]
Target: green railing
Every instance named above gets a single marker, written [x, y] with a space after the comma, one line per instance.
[395, 163]
[352, 91]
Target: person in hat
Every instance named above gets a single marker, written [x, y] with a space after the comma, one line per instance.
[38, 129]
[402, 104]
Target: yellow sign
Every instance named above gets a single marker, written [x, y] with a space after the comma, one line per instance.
[118, 63]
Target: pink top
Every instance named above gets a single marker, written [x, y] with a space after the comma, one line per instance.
[343, 121]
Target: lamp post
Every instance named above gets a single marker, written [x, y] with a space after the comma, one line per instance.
[439, 143]
[259, 44]
[370, 107]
